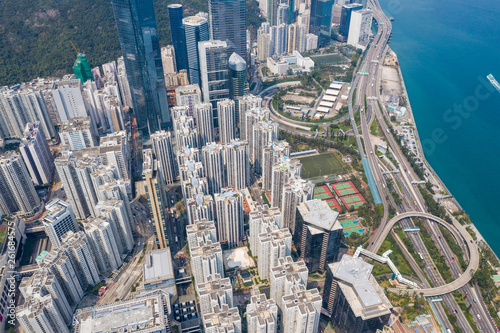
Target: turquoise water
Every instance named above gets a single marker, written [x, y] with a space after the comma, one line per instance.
[445, 49]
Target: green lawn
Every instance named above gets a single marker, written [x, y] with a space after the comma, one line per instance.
[320, 165]
[396, 256]
[329, 59]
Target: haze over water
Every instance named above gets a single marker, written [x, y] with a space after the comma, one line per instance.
[443, 47]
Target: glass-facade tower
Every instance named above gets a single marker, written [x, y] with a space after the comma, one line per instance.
[228, 23]
[321, 19]
[136, 24]
[177, 33]
[238, 86]
[196, 30]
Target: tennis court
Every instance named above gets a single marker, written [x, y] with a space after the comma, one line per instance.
[322, 192]
[352, 225]
[321, 165]
[353, 201]
[334, 205]
[344, 188]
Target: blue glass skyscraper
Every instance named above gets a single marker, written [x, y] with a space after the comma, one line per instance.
[177, 33]
[321, 19]
[195, 30]
[136, 24]
[228, 23]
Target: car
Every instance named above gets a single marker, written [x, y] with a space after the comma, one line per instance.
[466, 294]
[478, 316]
[474, 300]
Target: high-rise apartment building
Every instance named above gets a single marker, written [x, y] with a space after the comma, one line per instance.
[140, 44]
[237, 166]
[263, 41]
[278, 40]
[321, 234]
[213, 162]
[229, 210]
[296, 191]
[273, 243]
[228, 23]
[199, 208]
[175, 16]
[41, 315]
[17, 192]
[117, 215]
[157, 198]
[85, 166]
[302, 310]
[164, 153]
[36, 154]
[103, 243]
[286, 275]
[259, 220]
[67, 98]
[206, 260]
[360, 28]
[201, 231]
[227, 120]
[60, 220]
[264, 133]
[123, 83]
[250, 106]
[188, 96]
[195, 30]
[222, 318]
[273, 153]
[214, 292]
[168, 59]
[77, 133]
[262, 315]
[204, 122]
[114, 149]
[283, 172]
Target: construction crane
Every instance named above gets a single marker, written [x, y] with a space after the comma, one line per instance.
[76, 50]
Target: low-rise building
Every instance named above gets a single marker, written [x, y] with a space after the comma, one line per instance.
[159, 272]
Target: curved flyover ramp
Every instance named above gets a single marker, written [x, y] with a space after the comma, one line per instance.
[473, 250]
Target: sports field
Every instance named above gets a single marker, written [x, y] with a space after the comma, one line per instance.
[320, 165]
[353, 201]
[329, 59]
[352, 225]
[334, 205]
[344, 188]
[322, 192]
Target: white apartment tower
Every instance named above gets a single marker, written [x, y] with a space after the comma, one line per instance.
[85, 166]
[294, 193]
[286, 275]
[215, 292]
[245, 104]
[301, 310]
[168, 59]
[262, 315]
[103, 243]
[201, 231]
[77, 133]
[206, 259]
[213, 162]
[59, 220]
[114, 150]
[199, 208]
[227, 120]
[273, 243]
[236, 161]
[188, 96]
[164, 153]
[222, 319]
[204, 120]
[264, 133]
[229, 212]
[36, 154]
[283, 172]
[116, 214]
[360, 28]
[259, 220]
[272, 154]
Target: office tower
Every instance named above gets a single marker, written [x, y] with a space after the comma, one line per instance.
[295, 192]
[214, 71]
[60, 219]
[214, 292]
[278, 40]
[85, 166]
[114, 150]
[263, 41]
[238, 86]
[345, 19]
[103, 243]
[302, 310]
[311, 42]
[17, 192]
[157, 198]
[222, 319]
[336, 13]
[116, 213]
[286, 275]
[262, 315]
[227, 120]
[353, 298]
[259, 220]
[66, 169]
[206, 259]
[41, 315]
[229, 211]
[124, 84]
[168, 59]
[164, 153]
[213, 163]
[77, 247]
[136, 23]
[188, 96]
[81, 68]
[199, 208]
[321, 234]
[273, 153]
[321, 19]
[36, 154]
[202, 231]
[204, 121]
[195, 30]
[264, 133]
[283, 172]
[246, 106]
[228, 24]
[360, 28]
[175, 17]
[273, 243]
[236, 161]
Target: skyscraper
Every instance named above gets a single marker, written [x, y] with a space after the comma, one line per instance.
[162, 147]
[229, 210]
[237, 80]
[237, 166]
[227, 117]
[321, 19]
[136, 23]
[262, 314]
[360, 28]
[204, 119]
[228, 23]
[175, 16]
[214, 166]
[195, 30]
[345, 18]
[60, 219]
[36, 154]
[301, 310]
[81, 68]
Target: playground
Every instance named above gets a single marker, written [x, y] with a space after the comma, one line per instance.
[322, 192]
[344, 188]
[321, 165]
[353, 201]
[351, 226]
[333, 204]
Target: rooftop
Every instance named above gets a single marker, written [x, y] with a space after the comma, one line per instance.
[158, 265]
[319, 214]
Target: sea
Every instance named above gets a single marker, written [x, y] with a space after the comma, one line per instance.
[446, 48]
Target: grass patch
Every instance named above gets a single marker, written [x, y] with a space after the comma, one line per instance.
[266, 201]
[320, 165]
[396, 256]
[329, 59]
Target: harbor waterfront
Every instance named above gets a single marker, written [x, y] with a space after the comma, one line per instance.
[446, 49]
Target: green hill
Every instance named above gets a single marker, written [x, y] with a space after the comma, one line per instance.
[35, 34]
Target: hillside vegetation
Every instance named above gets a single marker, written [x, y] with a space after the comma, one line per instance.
[35, 34]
